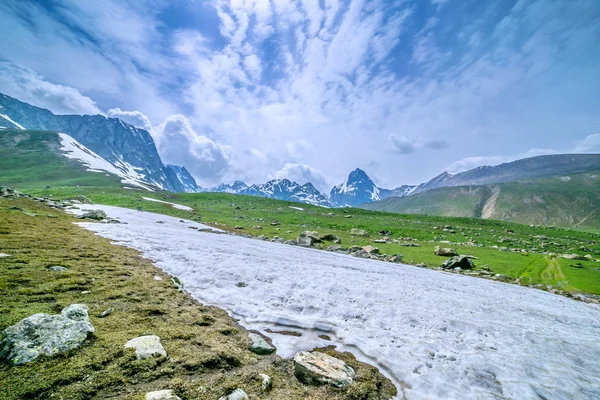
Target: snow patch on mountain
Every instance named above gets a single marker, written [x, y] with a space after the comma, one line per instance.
[360, 189]
[174, 205]
[6, 117]
[187, 181]
[72, 149]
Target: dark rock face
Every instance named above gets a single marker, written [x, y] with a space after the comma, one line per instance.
[284, 189]
[180, 176]
[119, 143]
[360, 189]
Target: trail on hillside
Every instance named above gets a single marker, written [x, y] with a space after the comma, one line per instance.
[438, 335]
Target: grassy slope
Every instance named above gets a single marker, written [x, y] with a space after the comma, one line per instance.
[547, 201]
[33, 157]
[207, 350]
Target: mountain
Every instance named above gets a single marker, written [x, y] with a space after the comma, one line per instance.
[565, 199]
[124, 146]
[236, 187]
[186, 180]
[284, 189]
[42, 158]
[360, 189]
[527, 168]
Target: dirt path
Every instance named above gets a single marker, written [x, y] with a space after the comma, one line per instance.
[553, 272]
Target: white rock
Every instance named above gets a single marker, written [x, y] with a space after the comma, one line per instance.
[146, 346]
[320, 368]
[266, 383]
[2, 255]
[162, 395]
[237, 394]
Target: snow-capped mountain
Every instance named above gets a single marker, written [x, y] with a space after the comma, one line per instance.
[119, 143]
[236, 187]
[284, 189]
[181, 174]
[360, 189]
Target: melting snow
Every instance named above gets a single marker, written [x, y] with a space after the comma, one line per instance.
[6, 117]
[177, 206]
[437, 335]
[75, 150]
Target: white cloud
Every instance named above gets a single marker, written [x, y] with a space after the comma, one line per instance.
[26, 85]
[135, 118]
[178, 143]
[301, 173]
[591, 144]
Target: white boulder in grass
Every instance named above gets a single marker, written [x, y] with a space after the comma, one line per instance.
[162, 395]
[315, 368]
[146, 347]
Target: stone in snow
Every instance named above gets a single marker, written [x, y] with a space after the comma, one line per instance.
[146, 346]
[237, 394]
[315, 368]
[162, 395]
[259, 344]
[93, 214]
[45, 334]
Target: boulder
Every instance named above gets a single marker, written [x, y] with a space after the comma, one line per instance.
[259, 344]
[146, 347]
[371, 249]
[463, 262]
[162, 395]
[45, 334]
[446, 252]
[83, 199]
[328, 237]
[304, 240]
[359, 232]
[396, 258]
[315, 368]
[97, 215]
[237, 394]
[335, 247]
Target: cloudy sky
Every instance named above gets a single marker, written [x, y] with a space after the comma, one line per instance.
[311, 89]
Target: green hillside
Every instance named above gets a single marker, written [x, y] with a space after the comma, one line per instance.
[33, 159]
[567, 201]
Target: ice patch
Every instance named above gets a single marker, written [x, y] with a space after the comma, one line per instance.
[6, 117]
[438, 335]
[177, 206]
[296, 208]
[75, 150]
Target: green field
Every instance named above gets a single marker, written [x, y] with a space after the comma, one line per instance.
[524, 252]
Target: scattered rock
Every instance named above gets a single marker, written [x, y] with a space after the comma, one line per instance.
[421, 265]
[266, 384]
[335, 247]
[328, 237]
[385, 232]
[446, 252]
[162, 395]
[359, 232]
[275, 223]
[260, 345]
[157, 278]
[347, 216]
[2, 255]
[83, 200]
[396, 258]
[237, 394]
[458, 261]
[239, 227]
[106, 313]
[45, 334]
[146, 346]
[318, 368]
[305, 240]
[57, 268]
[97, 215]
[371, 249]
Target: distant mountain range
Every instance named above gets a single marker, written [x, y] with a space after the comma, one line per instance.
[502, 191]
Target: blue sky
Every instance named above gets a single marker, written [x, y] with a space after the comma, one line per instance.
[310, 90]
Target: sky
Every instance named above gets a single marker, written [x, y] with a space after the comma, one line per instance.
[311, 89]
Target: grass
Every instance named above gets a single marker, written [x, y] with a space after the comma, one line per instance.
[207, 349]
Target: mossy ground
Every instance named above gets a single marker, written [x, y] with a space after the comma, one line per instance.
[207, 350]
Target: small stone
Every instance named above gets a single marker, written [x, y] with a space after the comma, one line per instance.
[162, 395]
[371, 249]
[447, 252]
[259, 344]
[266, 384]
[237, 394]
[86, 292]
[106, 313]
[359, 232]
[146, 346]
[315, 368]
[157, 278]
[57, 268]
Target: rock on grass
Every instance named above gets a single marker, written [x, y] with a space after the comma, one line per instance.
[319, 368]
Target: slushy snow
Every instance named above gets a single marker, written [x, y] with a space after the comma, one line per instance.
[71, 148]
[177, 206]
[437, 335]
